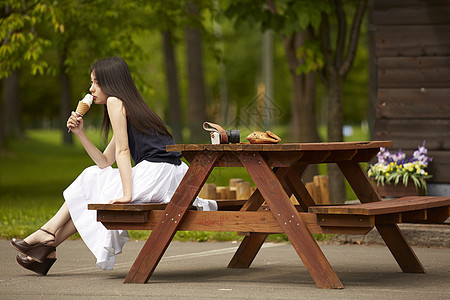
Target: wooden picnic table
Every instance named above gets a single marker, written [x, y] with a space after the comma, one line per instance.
[276, 170]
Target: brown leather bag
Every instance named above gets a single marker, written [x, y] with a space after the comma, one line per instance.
[208, 126]
[258, 137]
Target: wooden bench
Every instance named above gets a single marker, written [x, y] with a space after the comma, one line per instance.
[421, 209]
[333, 219]
[342, 219]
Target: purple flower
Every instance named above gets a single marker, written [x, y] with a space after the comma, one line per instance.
[399, 157]
[383, 156]
[421, 156]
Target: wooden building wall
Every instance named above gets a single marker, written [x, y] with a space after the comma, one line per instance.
[412, 49]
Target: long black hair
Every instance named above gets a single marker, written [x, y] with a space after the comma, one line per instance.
[114, 78]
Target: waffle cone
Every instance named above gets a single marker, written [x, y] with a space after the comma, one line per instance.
[82, 108]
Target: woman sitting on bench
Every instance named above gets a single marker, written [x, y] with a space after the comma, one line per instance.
[154, 178]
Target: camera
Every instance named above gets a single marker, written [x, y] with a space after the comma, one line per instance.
[233, 136]
[221, 136]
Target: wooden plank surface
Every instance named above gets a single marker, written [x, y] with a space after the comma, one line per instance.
[413, 12]
[220, 221]
[257, 224]
[280, 147]
[413, 40]
[384, 207]
[410, 133]
[414, 72]
[221, 203]
[413, 103]
[127, 206]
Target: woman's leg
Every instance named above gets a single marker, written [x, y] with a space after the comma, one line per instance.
[62, 232]
[53, 225]
[65, 232]
[61, 235]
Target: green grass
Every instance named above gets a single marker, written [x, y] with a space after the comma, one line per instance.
[33, 174]
[35, 171]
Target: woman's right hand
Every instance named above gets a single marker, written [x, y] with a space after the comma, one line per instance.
[75, 123]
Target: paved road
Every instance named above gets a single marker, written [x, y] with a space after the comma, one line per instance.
[198, 271]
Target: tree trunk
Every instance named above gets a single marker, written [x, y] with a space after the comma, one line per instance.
[267, 74]
[12, 108]
[175, 117]
[2, 120]
[337, 64]
[335, 119]
[197, 97]
[303, 112]
[334, 129]
[65, 108]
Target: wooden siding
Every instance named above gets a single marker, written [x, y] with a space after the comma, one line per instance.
[411, 12]
[413, 103]
[412, 47]
[413, 40]
[416, 72]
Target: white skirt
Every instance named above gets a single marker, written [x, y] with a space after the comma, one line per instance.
[152, 183]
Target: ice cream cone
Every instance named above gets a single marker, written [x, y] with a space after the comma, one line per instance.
[84, 105]
[82, 108]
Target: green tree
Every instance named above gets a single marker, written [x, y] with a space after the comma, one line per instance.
[92, 29]
[21, 47]
[169, 17]
[338, 60]
[197, 97]
[83, 31]
[292, 20]
[177, 19]
[306, 30]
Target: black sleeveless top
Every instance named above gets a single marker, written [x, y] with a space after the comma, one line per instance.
[151, 147]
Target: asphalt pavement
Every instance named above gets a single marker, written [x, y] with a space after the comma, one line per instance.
[191, 270]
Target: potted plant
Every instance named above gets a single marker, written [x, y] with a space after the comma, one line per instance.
[394, 171]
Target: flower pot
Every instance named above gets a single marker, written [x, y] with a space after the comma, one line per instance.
[399, 190]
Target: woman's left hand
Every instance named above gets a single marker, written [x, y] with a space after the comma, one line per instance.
[75, 123]
[120, 200]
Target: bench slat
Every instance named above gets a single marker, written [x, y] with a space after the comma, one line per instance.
[399, 205]
[222, 204]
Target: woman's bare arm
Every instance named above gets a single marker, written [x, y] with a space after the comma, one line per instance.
[102, 160]
[117, 116]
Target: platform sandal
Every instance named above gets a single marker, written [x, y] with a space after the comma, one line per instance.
[38, 251]
[35, 266]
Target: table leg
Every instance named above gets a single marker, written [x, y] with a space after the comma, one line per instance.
[359, 181]
[286, 214]
[250, 246]
[247, 251]
[400, 248]
[294, 180]
[161, 236]
[391, 234]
